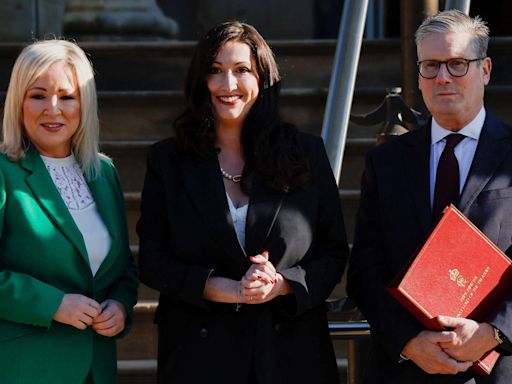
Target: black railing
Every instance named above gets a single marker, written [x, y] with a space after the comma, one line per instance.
[347, 323]
[357, 334]
[349, 330]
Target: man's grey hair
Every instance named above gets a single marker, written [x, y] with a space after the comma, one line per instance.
[456, 21]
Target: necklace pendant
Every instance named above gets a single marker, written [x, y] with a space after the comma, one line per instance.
[236, 178]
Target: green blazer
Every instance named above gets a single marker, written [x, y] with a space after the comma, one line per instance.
[42, 257]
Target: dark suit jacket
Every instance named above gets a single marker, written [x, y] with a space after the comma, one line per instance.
[395, 218]
[186, 233]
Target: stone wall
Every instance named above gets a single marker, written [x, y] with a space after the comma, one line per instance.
[24, 20]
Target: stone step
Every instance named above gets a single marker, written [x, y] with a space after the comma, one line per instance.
[130, 160]
[149, 115]
[162, 65]
[142, 341]
[136, 371]
[144, 371]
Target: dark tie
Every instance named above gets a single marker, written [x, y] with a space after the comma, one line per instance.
[447, 176]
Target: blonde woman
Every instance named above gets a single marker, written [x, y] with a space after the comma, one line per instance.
[67, 279]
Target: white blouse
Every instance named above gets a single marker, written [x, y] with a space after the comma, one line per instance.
[70, 182]
[239, 216]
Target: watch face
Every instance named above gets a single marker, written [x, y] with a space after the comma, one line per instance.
[499, 336]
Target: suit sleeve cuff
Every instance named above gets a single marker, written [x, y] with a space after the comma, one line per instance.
[194, 283]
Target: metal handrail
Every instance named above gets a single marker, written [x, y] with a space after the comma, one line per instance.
[349, 330]
[343, 78]
[356, 334]
[461, 5]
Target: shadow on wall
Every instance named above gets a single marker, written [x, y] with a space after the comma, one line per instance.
[92, 20]
[24, 20]
[275, 19]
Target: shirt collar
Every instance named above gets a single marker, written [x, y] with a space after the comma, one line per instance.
[473, 129]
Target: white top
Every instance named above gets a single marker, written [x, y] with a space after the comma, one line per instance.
[239, 216]
[464, 151]
[70, 182]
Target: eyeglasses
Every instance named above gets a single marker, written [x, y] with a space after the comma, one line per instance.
[456, 67]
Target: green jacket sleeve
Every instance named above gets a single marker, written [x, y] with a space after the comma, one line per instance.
[23, 298]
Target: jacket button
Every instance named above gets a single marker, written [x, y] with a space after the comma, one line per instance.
[203, 333]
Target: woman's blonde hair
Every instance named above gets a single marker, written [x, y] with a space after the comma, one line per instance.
[30, 64]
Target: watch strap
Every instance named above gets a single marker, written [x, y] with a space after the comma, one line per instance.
[505, 346]
[499, 336]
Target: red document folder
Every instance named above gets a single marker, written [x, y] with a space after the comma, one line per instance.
[458, 272]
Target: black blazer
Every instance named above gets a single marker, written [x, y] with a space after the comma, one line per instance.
[186, 233]
[393, 221]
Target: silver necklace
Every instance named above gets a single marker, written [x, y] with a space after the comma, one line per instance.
[233, 178]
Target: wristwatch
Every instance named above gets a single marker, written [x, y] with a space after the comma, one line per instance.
[499, 336]
[505, 346]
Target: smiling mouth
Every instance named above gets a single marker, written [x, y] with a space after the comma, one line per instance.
[52, 126]
[229, 99]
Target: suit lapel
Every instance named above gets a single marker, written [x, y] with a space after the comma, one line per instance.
[47, 195]
[417, 168]
[203, 181]
[490, 152]
[263, 210]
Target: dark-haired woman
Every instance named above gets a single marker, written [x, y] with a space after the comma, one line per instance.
[241, 228]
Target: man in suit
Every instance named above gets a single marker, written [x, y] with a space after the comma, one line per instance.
[405, 186]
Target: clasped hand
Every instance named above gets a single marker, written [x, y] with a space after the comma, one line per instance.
[450, 352]
[261, 282]
[79, 311]
[471, 339]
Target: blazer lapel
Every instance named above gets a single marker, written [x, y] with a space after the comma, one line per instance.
[490, 152]
[47, 195]
[417, 167]
[264, 207]
[203, 181]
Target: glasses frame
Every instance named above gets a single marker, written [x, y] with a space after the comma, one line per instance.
[445, 62]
